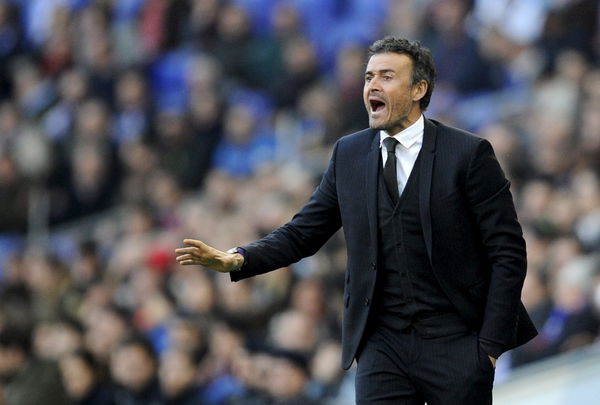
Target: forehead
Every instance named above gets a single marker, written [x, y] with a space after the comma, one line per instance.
[397, 62]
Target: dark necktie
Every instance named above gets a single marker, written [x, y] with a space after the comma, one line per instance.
[389, 170]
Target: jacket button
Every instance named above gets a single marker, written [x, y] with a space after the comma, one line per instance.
[373, 266]
[366, 302]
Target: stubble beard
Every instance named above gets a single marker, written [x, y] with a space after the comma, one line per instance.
[394, 124]
[391, 127]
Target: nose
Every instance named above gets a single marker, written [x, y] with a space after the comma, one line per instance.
[373, 84]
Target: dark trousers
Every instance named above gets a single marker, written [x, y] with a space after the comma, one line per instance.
[406, 368]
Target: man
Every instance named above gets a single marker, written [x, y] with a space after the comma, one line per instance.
[24, 378]
[82, 379]
[178, 378]
[133, 368]
[436, 257]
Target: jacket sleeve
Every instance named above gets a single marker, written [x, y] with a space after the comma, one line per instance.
[303, 236]
[492, 205]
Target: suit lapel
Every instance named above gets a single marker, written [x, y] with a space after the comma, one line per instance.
[425, 176]
[371, 180]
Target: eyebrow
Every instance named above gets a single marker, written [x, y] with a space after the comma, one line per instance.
[381, 71]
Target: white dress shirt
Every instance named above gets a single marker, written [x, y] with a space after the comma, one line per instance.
[410, 141]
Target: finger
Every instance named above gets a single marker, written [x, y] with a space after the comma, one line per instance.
[183, 257]
[186, 250]
[194, 242]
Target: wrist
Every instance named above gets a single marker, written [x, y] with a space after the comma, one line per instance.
[490, 348]
[239, 258]
[238, 261]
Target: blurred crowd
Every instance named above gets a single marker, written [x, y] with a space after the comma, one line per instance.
[127, 125]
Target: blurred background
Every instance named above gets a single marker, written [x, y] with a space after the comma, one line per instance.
[127, 125]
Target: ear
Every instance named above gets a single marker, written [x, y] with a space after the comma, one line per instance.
[419, 90]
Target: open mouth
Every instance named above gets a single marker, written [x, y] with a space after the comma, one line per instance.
[376, 105]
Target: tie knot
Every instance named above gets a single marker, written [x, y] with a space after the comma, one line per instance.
[390, 144]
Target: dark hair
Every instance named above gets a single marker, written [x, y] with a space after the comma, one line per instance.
[16, 338]
[87, 358]
[139, 341]
[423, 67]
[294, 357]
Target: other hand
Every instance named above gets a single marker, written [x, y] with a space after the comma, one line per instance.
[197, 252]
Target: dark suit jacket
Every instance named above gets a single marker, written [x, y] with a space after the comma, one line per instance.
[470, 226]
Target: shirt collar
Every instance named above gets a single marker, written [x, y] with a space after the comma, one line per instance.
[408, 136]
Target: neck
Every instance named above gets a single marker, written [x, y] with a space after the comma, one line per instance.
[407, 121]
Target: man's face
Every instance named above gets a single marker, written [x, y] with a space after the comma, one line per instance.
[390, 97]
[132, 367]
[176, 372]
[77, 376]
[11, 359]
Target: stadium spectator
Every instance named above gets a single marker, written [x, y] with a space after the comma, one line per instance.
[178, 375]
[26, 380]
[133, 370]
[82, 379]
[288, 377]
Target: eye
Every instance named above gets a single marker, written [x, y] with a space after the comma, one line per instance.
[387, 78]
[368, 78]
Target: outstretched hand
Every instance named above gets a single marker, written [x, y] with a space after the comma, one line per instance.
[200, 253]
